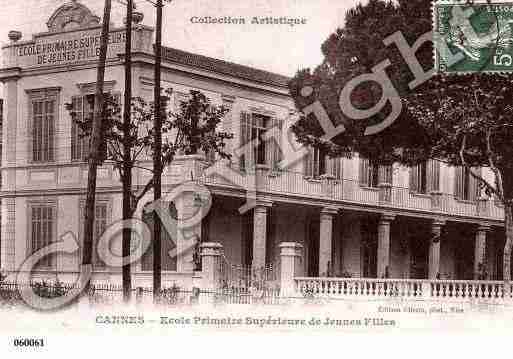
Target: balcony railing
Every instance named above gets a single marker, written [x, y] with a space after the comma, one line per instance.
[404, 288]
[349, 190]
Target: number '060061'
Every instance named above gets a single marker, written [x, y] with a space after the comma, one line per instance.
[29, 343]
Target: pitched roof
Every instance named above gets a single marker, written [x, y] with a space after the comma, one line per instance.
[224, 67]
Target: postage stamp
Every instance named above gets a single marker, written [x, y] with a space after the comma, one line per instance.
[473, 36]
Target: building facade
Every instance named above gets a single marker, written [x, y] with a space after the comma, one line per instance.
[353, 218]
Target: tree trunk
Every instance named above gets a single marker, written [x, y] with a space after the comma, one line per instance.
[127, 157]
[127, 233]
[157, 158]
[96, 141]
[508, 222]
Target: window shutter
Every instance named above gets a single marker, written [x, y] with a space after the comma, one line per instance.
[76, 151]
[308, 168]
[228, 125]
[338, 168]
[270, 145]
[433, 176]
[329, 166]
[474, 184]
[245, 130]
[364, 172]
[414, 179]
[276, 143]
[316, 162]
[49, 122]
[458, 182]
[385, 174]
[334, 167]
[42, 221]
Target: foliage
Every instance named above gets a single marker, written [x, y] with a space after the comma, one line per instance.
[48, 290]
[468, 121]
[188, 130]
[461, 120]
[352, 51]
[171, 295]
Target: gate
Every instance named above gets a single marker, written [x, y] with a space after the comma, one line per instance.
[240, 284]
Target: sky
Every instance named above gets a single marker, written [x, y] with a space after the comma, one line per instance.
[277, 48]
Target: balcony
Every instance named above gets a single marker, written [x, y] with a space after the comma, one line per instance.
[349, 191]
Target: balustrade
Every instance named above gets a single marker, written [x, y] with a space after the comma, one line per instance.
[347, 190]
[445, 290]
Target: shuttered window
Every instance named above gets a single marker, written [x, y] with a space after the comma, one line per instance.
[466, 187]
[246, 159]
[318, 163]
[372, 174]
[42, 225]
[266, 152]
[274, 145]
[167, 245]
[425, 177]
[101, 221]
[83, 107]
[43, 129]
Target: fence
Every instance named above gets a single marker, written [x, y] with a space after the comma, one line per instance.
[240, 284]
[106, 295]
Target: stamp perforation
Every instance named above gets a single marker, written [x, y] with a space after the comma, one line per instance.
[472, 45]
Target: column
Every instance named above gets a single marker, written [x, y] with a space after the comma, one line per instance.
[8, 228]
[8, 235]
[384, 245]
[260, 233]
[188, 206]
[480, 252]
[211, 265]
[434, 249]
[326, 241]
[291, 267]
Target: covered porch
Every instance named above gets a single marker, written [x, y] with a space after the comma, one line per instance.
[354, 244]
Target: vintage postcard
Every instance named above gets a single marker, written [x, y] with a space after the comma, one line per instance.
[314, 168]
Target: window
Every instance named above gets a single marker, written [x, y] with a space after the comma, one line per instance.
[83, 106]
[466, 187]
[372, 174]
[167, 245]
[42, 228]
[253, 127]
[43, 116]
[425, 177]
[181, 99]
[318, 163]
[101, 221]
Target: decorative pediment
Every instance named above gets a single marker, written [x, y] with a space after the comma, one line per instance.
[72, 16]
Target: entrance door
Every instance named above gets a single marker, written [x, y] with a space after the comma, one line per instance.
[419, 267]
[369, 249]
[464, 257]
[313, 247]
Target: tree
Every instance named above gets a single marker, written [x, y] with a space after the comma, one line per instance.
[461, 120]
[350, 52]
[127, 179]
[191, 128]
[96, 142]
